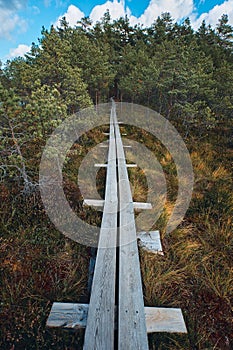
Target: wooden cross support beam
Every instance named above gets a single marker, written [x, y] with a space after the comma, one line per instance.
[99, 203]
[105, 165]
[158, 319]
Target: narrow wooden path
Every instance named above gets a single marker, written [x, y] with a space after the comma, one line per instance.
[132, 332]
[101, 315]
[116, 316]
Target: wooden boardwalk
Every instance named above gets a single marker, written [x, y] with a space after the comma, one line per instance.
[116, 316]
[101, 315]
[132, 332]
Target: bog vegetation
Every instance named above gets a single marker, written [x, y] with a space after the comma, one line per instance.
[186, 76]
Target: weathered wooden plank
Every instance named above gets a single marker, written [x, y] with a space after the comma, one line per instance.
[169, 320]
[74, 316]
[106, 146]
[99, 333]
[68, 315]
[150, 241]
[131, 316]
[100, 165]
[134, 321]
[142, 205]
[99, 203]
[131, 165]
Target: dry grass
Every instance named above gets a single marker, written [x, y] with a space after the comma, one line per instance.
[196, 271]
[39, 265]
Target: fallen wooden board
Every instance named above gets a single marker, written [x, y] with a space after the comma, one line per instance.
[150, 241]
[158, 319]
[68, 315]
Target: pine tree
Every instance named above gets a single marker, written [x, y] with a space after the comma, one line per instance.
[25, 129]
[225, 33]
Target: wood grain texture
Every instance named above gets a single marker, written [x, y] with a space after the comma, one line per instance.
[132, 332]
[68, 315]
[99, 333]
[101, 317]
[150, 241]
[158, 319]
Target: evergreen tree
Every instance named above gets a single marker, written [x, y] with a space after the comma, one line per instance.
[225, 33]
[24, 130]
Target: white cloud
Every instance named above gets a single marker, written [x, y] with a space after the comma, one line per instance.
[116, 10]
[9, 18]
[178, 9]
[19, 51]
[214, 14]
[72, 15]
[9, 22]
[12, 5]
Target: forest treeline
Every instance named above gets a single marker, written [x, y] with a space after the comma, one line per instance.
[182, 74]
[185, 75]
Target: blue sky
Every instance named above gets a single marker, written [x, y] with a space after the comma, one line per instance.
[21, 20]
